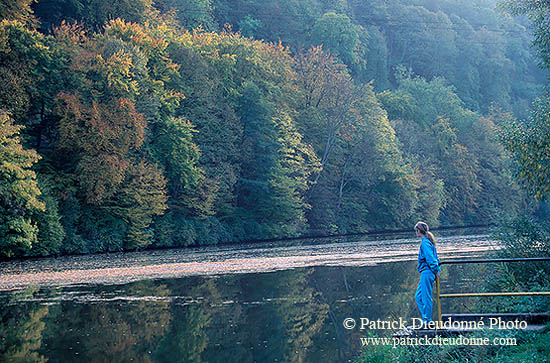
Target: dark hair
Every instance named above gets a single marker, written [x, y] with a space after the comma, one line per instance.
[423, 228]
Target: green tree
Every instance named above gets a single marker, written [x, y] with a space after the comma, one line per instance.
[180, 155]
[537, 11]
[50, 230]
[190, 13]
[18, 191]
[25, 59]
[434, 133]
[528, 141]
[529, 144]
[141, 197]
[337, 34]
[276, 166]
[249, 26]
[93, 14]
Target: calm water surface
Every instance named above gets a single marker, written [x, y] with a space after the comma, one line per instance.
[269, 302]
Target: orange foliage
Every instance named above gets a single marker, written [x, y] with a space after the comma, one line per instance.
[115, 127]
[103, 135]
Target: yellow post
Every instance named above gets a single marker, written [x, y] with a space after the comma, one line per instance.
[438, 300]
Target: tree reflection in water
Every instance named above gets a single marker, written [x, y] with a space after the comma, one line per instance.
[287, 316]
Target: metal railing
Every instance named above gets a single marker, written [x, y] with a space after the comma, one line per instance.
[530, 293]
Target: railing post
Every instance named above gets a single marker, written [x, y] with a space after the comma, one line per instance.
[438, 300]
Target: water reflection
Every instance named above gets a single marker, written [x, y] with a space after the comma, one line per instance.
[281, 316]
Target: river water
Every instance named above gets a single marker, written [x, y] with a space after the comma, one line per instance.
[262, 302]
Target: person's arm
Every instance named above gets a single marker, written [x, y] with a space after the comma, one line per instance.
[432, 262]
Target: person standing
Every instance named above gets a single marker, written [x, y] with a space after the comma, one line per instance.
[428, 266]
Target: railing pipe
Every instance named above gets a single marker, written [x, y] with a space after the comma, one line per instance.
[532, 259]
[481, 294]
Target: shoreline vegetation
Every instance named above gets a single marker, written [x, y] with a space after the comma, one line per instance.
[307, 239]
[183, 123]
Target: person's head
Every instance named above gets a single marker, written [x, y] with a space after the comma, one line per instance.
[422, 229]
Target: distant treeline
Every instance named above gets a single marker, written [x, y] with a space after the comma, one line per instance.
[133, 123]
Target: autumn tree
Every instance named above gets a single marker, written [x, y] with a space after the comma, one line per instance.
[103, 135]
[376, 186]
[327, 99]
[17, 10]
[100, 123]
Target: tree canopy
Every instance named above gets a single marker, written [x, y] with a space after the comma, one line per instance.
[176, 123]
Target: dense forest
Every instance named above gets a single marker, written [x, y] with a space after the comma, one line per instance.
[134, 123]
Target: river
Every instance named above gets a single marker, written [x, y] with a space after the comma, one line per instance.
[258, 302]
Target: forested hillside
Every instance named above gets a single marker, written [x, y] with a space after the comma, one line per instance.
[134, 123]
[485, 55]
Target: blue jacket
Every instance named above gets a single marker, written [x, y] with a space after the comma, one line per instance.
[427, 257]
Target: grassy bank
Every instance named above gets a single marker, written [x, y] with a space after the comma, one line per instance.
[532, 346]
